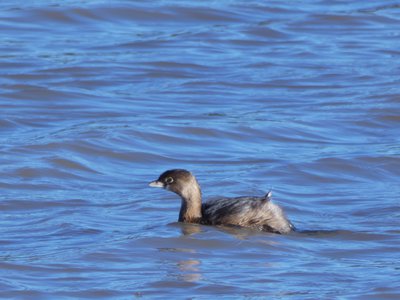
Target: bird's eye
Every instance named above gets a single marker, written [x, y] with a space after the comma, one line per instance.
[169, 180]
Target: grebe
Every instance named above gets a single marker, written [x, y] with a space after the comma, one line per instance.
[254, 212]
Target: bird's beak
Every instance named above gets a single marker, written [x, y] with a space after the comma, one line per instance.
[156, 183]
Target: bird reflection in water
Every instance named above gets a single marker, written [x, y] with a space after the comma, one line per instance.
[189, 228]
[190, 271]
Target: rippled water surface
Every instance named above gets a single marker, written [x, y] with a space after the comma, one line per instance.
[99, 97]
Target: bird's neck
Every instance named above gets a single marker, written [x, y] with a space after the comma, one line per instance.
[191, 204]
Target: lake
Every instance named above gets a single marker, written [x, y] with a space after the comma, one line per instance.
[98, 98]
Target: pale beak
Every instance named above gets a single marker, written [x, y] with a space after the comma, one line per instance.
[156, 183]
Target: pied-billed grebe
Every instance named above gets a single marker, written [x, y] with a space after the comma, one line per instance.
[255, 212]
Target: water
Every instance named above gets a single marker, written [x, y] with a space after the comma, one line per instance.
[98, 98]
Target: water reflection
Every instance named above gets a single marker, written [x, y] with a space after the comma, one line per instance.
[240, 233]
[189, 229]
[190, 271]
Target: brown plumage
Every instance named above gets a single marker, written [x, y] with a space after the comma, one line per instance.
[254, 212]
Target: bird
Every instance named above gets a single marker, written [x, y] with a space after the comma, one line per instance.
[258, 213]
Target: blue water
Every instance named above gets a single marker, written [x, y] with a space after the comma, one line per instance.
[98, 98]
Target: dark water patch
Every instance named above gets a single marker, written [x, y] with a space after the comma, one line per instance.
[30, 173]
[266, 33]
[68, 164]
[10, 205]
[344, 235]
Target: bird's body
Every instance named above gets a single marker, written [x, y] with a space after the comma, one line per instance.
[254, 212]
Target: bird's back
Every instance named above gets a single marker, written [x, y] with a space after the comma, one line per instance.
[255, 212]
